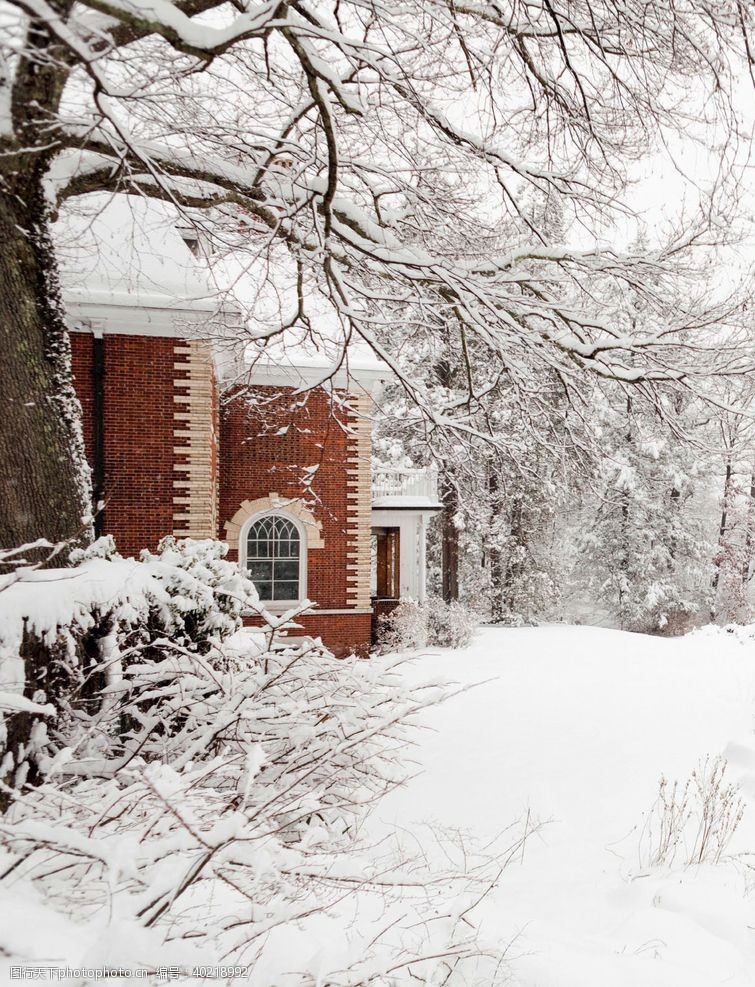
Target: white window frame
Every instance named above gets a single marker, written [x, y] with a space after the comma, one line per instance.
[278, 606]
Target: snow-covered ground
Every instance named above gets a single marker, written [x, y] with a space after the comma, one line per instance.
[571, 726]
[575, 725]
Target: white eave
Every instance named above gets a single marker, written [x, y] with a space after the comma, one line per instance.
[154, 315]
[406, 504]
[127, 271]
[367, 376]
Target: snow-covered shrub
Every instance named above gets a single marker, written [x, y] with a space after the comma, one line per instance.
[204, 595]
[101, 548]
[449, 625]
[207, 804]
[404, 628]
[241, 774]
[65, 634]
[677, 622]
[435, 623]
[697, 819]
[207, 594]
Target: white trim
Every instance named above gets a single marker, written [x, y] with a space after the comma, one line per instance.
[315, 611]
[121, 314]
[183, 320]
[356, 377]
[272, 502]
[412, 554]
[279, 605]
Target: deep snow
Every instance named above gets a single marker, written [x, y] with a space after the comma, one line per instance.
[575, 725]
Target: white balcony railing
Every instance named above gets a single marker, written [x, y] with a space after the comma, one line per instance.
[405, 487]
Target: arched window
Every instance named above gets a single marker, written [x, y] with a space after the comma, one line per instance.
[274, 554]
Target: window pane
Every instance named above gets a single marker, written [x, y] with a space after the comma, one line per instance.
[285, 529]
[286, 539]
[288, 549]
[273, 548]
[259, 541]
[287, 570]
[285, 591]
[265, 590]
[260, 570]
[259, 549]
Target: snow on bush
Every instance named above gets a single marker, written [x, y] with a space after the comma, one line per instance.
[436, 623]
[404, 628]
[205, 803]
[449, 625]
[202, 595]
[63, 631]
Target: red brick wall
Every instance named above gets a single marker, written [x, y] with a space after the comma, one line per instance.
[255, 462]
[138, 434]
[344, 634]
[381, 608]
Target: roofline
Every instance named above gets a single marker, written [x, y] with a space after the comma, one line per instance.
[200, 320]
[110, 317]
[300, 375]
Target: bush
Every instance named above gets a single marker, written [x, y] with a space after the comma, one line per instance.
[66, 635]
[449, 625]
[404, 629]
[413, 625]
[206, 805]
[201, 596]
[697, 819]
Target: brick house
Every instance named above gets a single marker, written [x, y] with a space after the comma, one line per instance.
[185, 437]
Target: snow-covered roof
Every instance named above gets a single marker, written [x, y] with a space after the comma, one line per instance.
[125, 250]
[300, 359]
[126, 267]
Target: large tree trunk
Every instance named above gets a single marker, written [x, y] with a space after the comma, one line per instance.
[44, 478]
[624, 559]
[749, 532]
[514, 562]
[449, 497]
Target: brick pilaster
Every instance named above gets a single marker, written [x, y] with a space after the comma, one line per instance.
[359, 502]
[195, 435]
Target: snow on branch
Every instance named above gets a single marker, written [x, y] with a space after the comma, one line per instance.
[208, 802]
[438, 167]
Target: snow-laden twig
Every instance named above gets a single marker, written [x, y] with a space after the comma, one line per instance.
[210, 802]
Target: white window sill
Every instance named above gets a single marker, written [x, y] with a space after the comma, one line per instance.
[279, 606]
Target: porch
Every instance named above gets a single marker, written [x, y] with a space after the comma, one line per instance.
[403, 502]
[414, 489]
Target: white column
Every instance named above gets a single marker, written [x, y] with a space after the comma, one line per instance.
[408, 556]
[412, 525]
[422, 559]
